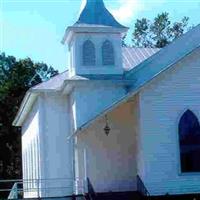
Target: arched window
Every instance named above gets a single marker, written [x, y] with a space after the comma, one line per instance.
[189, 141]
[88, 53]
[108, 53]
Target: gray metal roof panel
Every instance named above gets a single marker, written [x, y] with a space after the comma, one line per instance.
[54, 83]
[134, 56]
[166, 56]
[131, 58]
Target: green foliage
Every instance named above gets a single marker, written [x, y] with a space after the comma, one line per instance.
[16, 77]
[159, 32]
[124, 44]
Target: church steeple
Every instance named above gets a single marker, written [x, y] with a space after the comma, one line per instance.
[95, 42]
[95, 13]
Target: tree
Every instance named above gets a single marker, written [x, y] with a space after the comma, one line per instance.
[124, 44]
[159, 32]
[16, 77]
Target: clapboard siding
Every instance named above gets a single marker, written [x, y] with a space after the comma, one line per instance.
[162, 102]
[30, 151]
[110, 160]
[57, 149]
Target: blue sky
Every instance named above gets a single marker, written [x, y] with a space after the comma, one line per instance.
[34, 28]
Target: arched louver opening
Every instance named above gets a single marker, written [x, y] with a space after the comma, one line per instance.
[108, 53]
[189, 141]
[88, 53]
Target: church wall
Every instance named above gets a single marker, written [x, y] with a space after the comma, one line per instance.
[110, 161]
[91, 99]
[57, 149]
[30, 152]
[162, 102]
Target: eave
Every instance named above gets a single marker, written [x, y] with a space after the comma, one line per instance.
[133, 91]
[25, 107]
[66, 88]
[90, 29]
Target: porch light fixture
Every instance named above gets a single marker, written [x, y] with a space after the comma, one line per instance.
[107, 128]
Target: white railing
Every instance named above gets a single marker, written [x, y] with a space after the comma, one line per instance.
[37, 188]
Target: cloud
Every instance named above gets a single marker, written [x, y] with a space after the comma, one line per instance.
[127, 10]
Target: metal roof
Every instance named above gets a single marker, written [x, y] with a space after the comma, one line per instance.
[131, 58]
[154, 66]
[55, 83]
[152, 63]
[96, 13]
[166, 57]
[134, 56]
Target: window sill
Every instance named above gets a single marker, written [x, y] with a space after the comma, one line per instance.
[189, 174]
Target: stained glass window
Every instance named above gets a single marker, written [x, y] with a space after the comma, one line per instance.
[189, 141]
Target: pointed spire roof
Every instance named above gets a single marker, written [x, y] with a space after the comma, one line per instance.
[95, 13]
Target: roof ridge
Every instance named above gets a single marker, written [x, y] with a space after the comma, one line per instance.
[143, 64]
[43, 82]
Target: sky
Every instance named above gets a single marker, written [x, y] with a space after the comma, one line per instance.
[34, 28]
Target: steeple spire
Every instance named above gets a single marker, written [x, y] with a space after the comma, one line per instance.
[95, 13]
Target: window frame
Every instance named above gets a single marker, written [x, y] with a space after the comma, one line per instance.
[102, 53]
[94, 58]
[180, 172]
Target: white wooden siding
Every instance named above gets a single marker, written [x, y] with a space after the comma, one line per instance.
[162, 102]
[110, 160]
[30, 152]
[46, 152]
[57, 149]
[91, 99]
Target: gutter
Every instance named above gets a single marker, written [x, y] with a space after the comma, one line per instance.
[22, 106]
[109, 109]
[25, 102]
[129, 95]
[123, 99]
[32, 94]
[28, 100]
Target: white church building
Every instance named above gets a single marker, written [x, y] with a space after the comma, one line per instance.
[117, 116]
